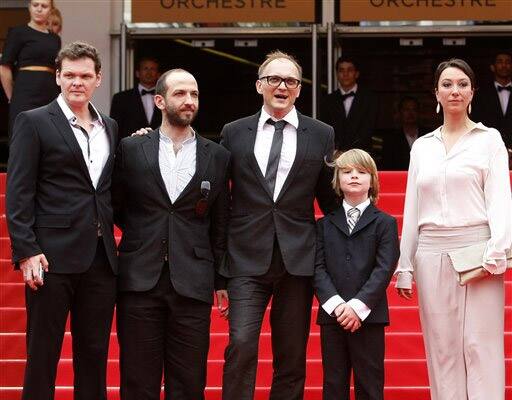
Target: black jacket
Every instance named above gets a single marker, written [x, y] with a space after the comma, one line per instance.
[155, 229]
[487, 109]
[359, 264]
[52, 206]
[356, 129]
[128, 111]
[256, 219]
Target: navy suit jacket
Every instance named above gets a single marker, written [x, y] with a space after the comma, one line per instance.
[357, 265]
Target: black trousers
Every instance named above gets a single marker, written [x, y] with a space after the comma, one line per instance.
[159, 330]
[89, 298]
[289, 320]
[361, 352]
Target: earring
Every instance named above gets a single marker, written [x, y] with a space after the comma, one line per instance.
[469, 108]
[438, 108]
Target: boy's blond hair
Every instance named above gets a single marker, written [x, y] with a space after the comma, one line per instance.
[359, 159]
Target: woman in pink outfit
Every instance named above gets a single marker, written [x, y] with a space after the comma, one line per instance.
[458, 195]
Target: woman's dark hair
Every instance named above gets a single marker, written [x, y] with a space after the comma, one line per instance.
[455, 63]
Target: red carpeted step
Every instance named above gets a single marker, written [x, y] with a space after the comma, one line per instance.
[214, 393]
[2, 203]
[5, 248]
[392, 181]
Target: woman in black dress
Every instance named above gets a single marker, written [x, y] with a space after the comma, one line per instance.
[30, 50]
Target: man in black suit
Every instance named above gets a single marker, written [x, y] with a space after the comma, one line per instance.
[397, 144]
[134, 108]
[277, 169]
[170, 199]
[492, 104]
[352, 110]
[59, 216]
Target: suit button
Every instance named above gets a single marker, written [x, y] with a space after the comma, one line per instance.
[348, 257]
[172, 212]
[164, 241]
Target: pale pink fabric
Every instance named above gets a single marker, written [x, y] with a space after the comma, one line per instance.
[469, 186]
[463, 326]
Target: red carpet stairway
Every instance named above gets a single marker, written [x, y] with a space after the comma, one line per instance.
[406, 375]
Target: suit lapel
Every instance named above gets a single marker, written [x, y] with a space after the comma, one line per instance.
[368, 216]
[339, 105]
[150, 148]
[250, 130]
[140, 107]
[339, 219]
[62, 124]
[302, 146]
[202, 160]
[112, 142]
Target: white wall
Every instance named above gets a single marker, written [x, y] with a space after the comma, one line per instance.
[93, 21]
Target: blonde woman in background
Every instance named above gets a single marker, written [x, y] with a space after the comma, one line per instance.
[458, 195]
[55, 21]
[29, 54]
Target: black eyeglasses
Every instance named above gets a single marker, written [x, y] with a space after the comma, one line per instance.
[275, 81]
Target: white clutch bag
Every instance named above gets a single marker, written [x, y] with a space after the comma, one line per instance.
[467, 262]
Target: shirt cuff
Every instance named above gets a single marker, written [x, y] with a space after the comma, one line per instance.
[359, 308]
[496, 269]
[330, 305]
[404, 280]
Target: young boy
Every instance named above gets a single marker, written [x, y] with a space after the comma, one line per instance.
[357, 251]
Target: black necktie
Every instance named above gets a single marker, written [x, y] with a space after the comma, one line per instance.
[501, 88]
[143, 92]
[275, 153]
[347, 95]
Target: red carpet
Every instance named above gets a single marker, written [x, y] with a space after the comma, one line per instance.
[406, 375]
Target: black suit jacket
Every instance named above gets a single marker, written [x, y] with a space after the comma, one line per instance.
[52, 206]
[356, 129]
[128, 111]
[256, 219]
[154, 227]
[487, 109]
[396, 152]
[357, 265]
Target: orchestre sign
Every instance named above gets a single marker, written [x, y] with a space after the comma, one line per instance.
[436, 10]
[223, 11]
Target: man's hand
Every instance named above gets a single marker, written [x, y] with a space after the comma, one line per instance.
[30, 268]
[141, 132]
[348, 319]
[222, 303]
[405, 293]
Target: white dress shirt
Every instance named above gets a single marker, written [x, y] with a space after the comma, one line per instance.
[177, 168]
[469, 186]
[147, 102]
[357, 305]
[347, 103]
[95, 145]
[263, 143]
[504, 96]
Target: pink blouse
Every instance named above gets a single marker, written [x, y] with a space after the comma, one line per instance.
[468, 186]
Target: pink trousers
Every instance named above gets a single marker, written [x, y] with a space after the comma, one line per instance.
[463, 326]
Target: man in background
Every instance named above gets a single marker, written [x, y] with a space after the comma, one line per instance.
[134, 108]
[351, 110]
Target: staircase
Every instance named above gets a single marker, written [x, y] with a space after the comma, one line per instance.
[406, 374]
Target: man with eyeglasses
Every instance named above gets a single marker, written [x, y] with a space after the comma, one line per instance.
[170, 200]
[278, 168]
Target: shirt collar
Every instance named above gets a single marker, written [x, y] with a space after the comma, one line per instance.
[353, 89]
[437, 132]
[496, 84]
[140, 87]
[361, 206]
[71, 117]
[167, 139]
[291, 118]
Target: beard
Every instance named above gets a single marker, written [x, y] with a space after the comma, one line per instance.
[175, 119]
